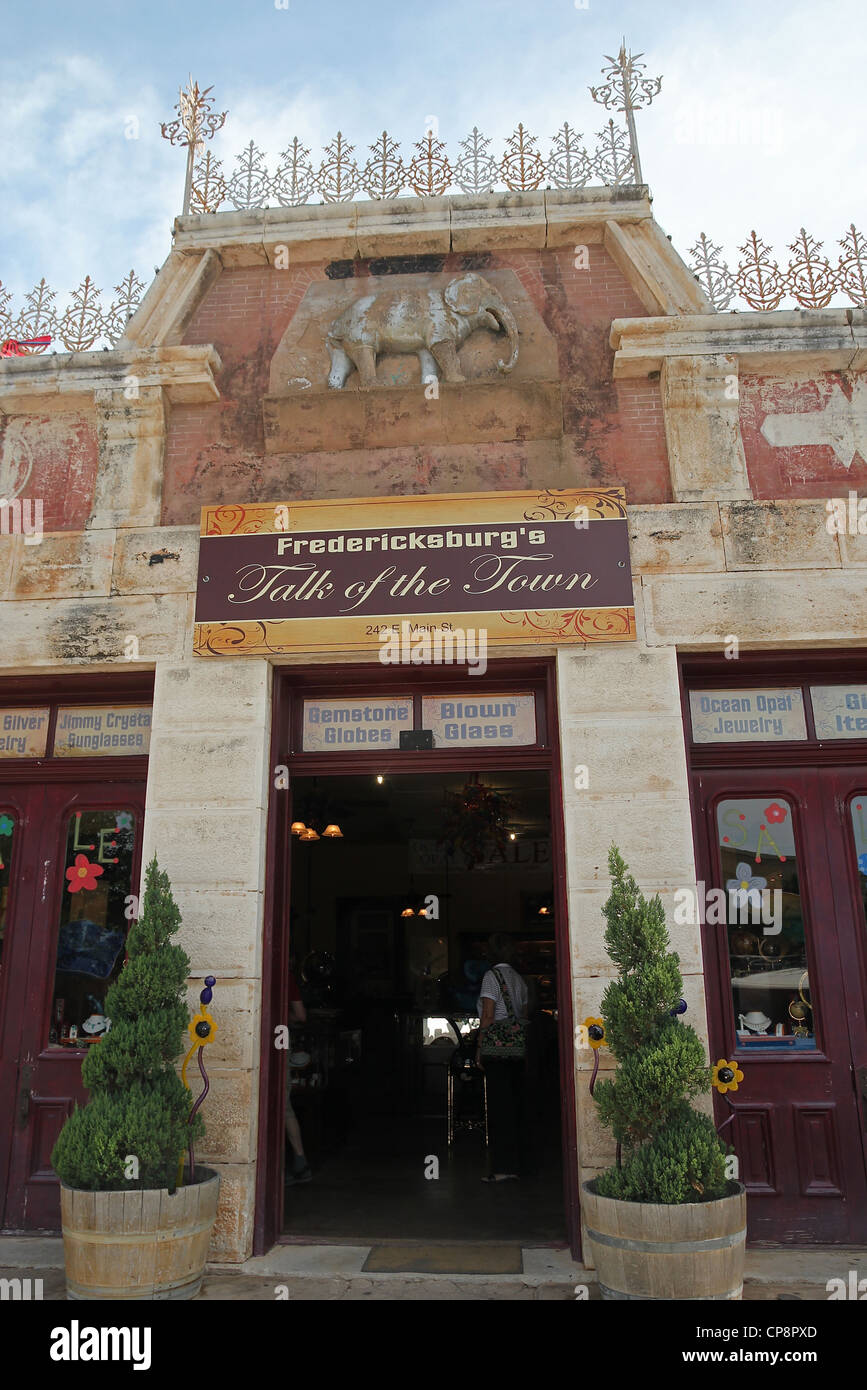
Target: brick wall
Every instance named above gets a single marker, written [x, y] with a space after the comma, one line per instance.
[60, 452]
[612, 433]
[798, 468]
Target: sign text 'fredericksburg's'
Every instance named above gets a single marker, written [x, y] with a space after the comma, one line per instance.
[460, 568]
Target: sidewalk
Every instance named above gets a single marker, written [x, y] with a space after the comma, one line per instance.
[332, 1272]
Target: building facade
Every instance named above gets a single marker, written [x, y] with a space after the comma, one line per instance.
[714, 727]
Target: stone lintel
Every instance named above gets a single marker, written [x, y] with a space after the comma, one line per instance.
[94, 633]
[812, 339]
[32, 385]
[766, 610]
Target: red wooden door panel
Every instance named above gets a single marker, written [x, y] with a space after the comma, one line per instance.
[20, 819]
[845, 795]
[798, 1127]
[84, 862]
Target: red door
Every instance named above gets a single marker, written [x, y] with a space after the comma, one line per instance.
[71, 855]
[786, 993]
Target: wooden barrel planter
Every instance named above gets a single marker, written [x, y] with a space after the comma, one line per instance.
[150, 1244]
[643, 1250]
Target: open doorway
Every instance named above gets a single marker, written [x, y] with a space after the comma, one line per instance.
[391, 907]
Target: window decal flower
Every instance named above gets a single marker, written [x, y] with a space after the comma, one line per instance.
[123, 820]
[83, 874]
[7, 825]
[726, 1076]
[747, 888]
[595, 1032]
[775, 813]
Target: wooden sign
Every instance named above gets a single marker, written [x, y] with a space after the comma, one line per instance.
[23, 732]
[500, 721]
[335, 725]
[523, 567]
[85, 731]
[840, 711]
[747, 716]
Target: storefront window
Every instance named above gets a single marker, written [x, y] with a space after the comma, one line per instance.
[858, 812]
[93, 923]
[7, 830]
[764, 916]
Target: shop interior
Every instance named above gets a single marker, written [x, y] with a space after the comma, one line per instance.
[397, 882]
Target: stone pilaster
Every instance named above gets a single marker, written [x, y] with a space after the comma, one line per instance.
[207, 803]
[131, 435]
[702, 428]
[624, 783]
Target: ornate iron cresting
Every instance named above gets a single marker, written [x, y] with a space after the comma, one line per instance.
[195, 124]
[79, 325]
[761, 281]
[425, 171]
[627, 90]
[429, 171]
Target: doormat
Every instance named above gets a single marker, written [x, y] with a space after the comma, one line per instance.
[461, 1258]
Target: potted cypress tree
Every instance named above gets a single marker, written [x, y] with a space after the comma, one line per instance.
[131, 1228]
[665, 1222]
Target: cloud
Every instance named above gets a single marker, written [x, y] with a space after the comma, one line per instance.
[755, 125]
[80, 197]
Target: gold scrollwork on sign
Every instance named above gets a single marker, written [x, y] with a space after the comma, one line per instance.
[601, 503]
[589, 624]
[237, 521]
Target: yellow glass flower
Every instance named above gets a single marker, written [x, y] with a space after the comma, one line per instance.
[598, 1024]
[201, 1029]
[726, 1076]
[199, 1035]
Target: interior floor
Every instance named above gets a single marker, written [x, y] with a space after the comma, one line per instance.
[375, 1189]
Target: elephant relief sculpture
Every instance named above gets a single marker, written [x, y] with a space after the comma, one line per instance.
[431, 323]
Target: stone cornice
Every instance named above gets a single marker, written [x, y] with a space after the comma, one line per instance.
[338, 231]
[69, 380]
[812, 339]
[621, 220]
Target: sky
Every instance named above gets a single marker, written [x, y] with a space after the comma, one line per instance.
[759, 124]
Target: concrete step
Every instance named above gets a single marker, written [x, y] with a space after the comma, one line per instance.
[337, 1272]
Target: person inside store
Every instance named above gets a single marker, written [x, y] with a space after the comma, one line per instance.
[300, 1171]
[503, 999]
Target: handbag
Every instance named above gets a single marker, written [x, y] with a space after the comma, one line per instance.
[506, 1039]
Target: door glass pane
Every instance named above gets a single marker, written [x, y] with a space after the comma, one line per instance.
[90, 948]
[7, 831]
[858, 812]
[763, 912]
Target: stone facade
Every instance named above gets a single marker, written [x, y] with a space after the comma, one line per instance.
[632, 381]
